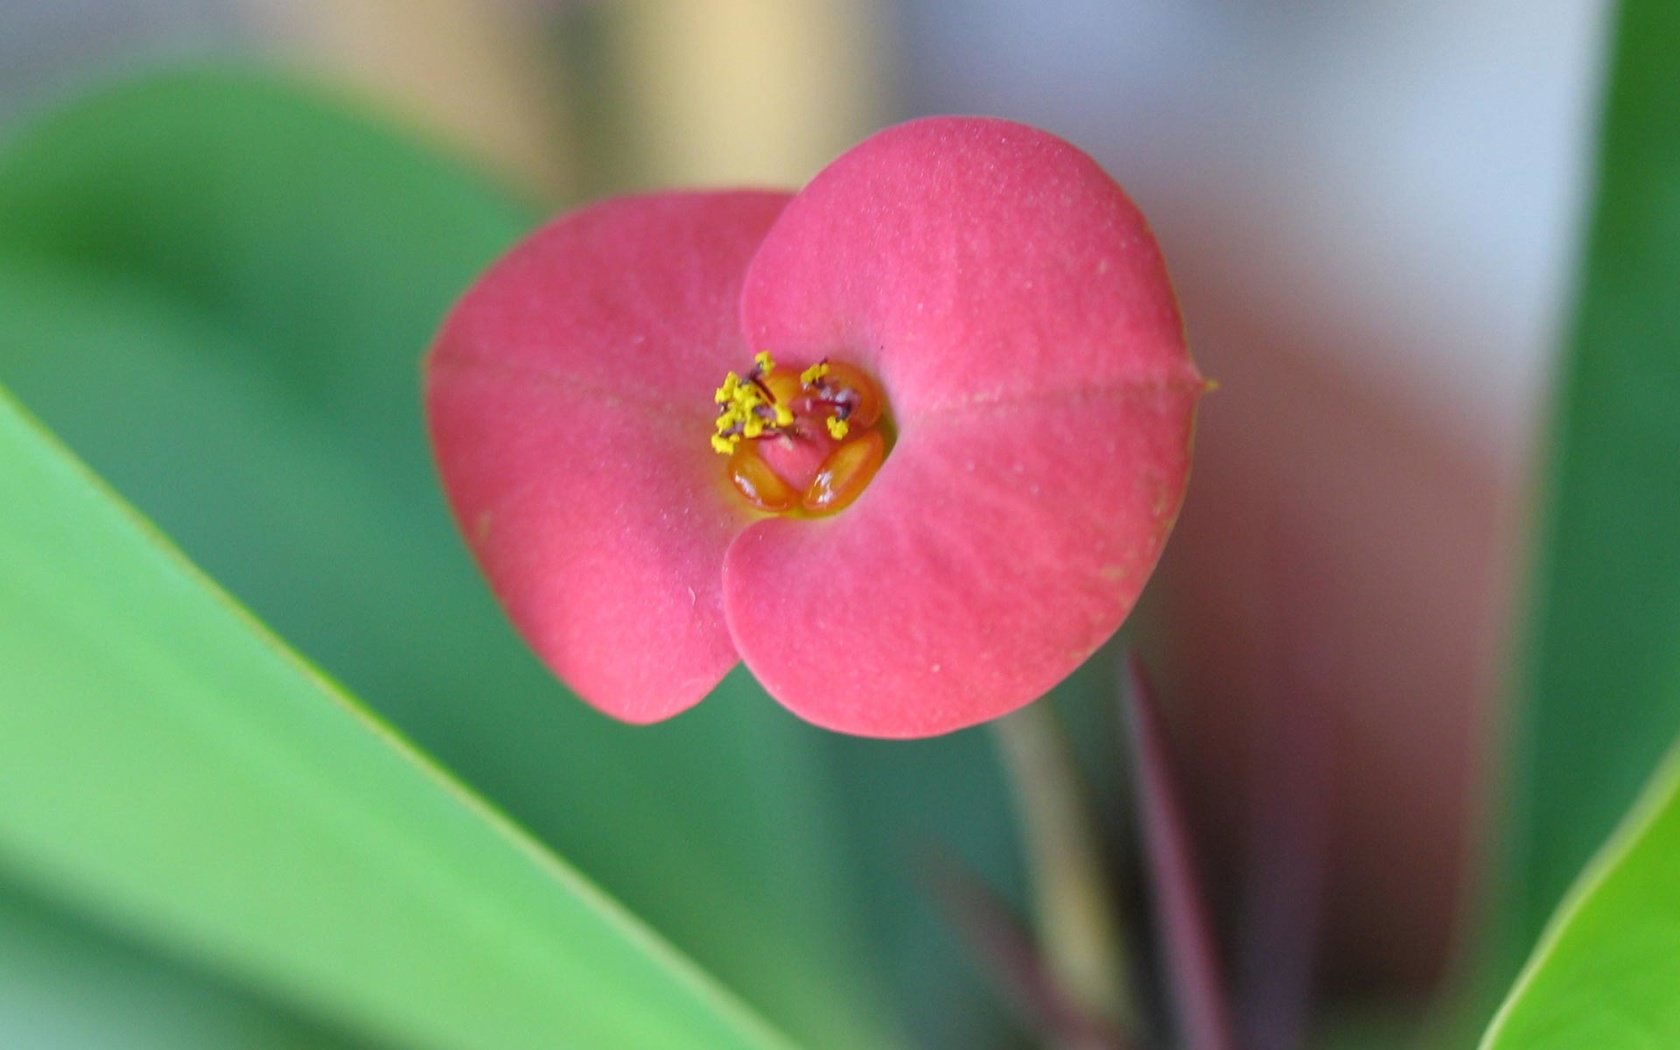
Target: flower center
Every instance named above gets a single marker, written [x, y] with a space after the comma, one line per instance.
[802, 443]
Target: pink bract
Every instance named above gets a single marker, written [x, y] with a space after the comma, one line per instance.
[1013, 306]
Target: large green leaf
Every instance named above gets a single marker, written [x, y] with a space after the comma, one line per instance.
[66, 985]
[217, 287]
[171, 766]
[1599, 683]
[1607, 971]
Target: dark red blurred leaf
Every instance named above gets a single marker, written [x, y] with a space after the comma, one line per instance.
[1191, 973]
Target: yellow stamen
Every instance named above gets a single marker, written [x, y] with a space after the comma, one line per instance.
[726, 392]
[786, 405]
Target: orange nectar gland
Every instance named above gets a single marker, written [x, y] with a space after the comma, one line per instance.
[804, 444]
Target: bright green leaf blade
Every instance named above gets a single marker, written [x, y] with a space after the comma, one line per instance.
[171, 766]
[1607, 972]
[67, 986]
[217, 288]
[1600, 682]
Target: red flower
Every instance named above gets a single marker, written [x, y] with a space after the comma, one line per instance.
[992, 289]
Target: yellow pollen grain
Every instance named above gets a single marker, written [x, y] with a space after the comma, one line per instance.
[838, 428]
[746, 407]
[814, 373]
[726, 392]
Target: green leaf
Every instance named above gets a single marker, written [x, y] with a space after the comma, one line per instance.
[1606, 972]
[172, 766]
[217, 286]
[64, 984]
[1599, 680]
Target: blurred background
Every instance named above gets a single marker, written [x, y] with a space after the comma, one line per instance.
[1370, 211]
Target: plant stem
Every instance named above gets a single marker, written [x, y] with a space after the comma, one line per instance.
[1073, 906]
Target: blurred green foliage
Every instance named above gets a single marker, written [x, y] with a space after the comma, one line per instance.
[170, 766]
[1600, 682]
[1598, 688]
